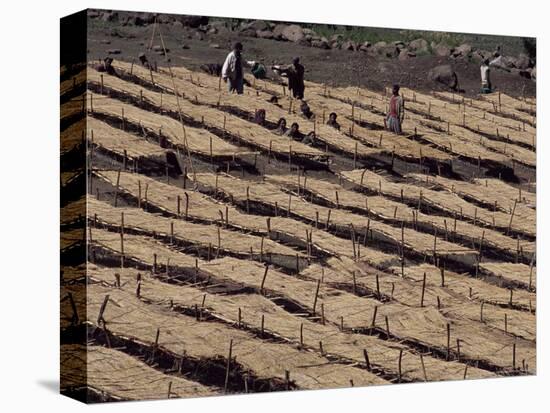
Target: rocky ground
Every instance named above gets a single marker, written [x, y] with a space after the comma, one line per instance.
[337, 60]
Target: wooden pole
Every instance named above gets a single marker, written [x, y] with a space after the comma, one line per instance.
[316, 296]
[423, 289]
[367, 361]
[228, 365]
[263, 280]
[423, 367]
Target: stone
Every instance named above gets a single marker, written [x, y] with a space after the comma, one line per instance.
[114, 51]
[214, 45]
[419, 45]
[442, 50]
[293, 33]
[265, 34]
[445, 75]
[258, 25]
[464, 50]
[248, 32]
[193, 21]
[278, 31]
[321, 44]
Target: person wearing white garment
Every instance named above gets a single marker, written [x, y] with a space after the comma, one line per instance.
[232, 69]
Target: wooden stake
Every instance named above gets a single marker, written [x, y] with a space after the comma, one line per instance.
[316, 296]
[423, 367]
[366, 356]
[263, 280]
[228, 365]
[423, 289]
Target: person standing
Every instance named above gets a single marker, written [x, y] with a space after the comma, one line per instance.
[295, 74]
[396, 113]
[486, 86]
[232, 69]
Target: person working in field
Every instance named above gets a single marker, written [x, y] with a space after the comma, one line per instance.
[281, 127]
[144, 61]
[106, 67]
[396, 114]
[294, 132]
[486, 86]
[232, 69]
[258, 70]
[259, 117]
[332, 121]
[295, 74]
[305, 110]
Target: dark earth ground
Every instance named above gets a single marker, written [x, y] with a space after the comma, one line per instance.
[333, 67]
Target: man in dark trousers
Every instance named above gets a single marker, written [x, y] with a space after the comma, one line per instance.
[232, 70]
[295, 74]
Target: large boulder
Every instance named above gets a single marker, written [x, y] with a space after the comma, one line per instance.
[321, 44]
[419, 46]
[293, 33]
[278, 31]
[265, 34]
[406, 55]
[193, 21]
[464, 50]
[442, 50]
[445, 76]
[384, 49]
[258, 25]
[248, 32]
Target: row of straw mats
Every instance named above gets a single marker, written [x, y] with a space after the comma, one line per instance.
[476, 289]
[270, 194]
[185, 336]
[344, 345]
[523, 193]
[473, 111]
[73, 211]
[527, 105]
[408, 292]
[414, 124]
[426, 325]
[442, 200]
[478, 192]
[248, 132]
[72, 82]
[390, 210]
[339, 304]
[406, 286]
[74, 106]
[498, 114]
[202, 207]
[516, 273]
[120, 142]
[204, 96]
[121, 376]
[457, 134]
[73, 136]
[199, 234]
[423, 105]
[196, 140]
[288, 109]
